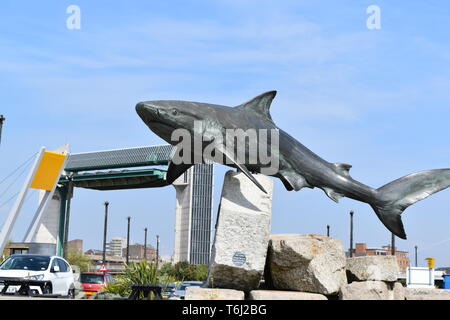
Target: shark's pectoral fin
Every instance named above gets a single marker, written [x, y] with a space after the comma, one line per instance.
[176, 170]
[229, 157]
[343, 168]
[293, 180]
[332, 194]
[181, 161]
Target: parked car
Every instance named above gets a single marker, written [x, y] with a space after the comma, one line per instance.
[169, 290]
[180, 291]
[53, 270]
[92, 282]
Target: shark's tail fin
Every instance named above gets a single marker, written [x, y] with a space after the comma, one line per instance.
[398, 195]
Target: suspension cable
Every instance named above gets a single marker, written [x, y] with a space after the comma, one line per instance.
[18, 168]
[7, 201]
[14, 195]
[13, 182]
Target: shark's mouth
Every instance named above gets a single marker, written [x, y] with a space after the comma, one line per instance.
[160, 124]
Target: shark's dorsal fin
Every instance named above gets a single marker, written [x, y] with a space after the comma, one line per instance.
[260, 104]
[343, 168]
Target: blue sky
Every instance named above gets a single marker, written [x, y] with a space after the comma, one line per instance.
[377, 99]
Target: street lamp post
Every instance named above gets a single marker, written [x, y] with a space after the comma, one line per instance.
[2, 119]
[393, 245]
[145, 244]
[157, 251]
[415, 249]
[104, 232]
[351, 234]
[128, 240]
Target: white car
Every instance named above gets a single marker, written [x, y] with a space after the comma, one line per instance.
[53, 269]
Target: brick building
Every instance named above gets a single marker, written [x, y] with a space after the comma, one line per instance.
[361, 250]
[137, 252]
[75, 245]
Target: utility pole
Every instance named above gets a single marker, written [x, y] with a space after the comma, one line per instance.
[157, 251]
[104, 232]
[128, 241]
[328, 230]
[415, 254]
[145, 244]
[393, 245]
[351, 234]
[2, 119]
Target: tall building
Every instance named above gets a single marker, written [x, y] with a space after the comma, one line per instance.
[193, 214]
[361, 250]
[116, 245]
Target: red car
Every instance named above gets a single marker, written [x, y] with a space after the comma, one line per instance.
[92, 282]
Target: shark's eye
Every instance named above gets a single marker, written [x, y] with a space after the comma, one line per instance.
[174, 112]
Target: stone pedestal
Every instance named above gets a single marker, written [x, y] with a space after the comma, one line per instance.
[242, 233]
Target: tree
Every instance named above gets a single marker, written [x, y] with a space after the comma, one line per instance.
[166, 268]
[183, 271]
[201, 273]
[77, 258]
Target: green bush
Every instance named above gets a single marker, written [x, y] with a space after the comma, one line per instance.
[183, 271]
[138, 273]
[119, 286]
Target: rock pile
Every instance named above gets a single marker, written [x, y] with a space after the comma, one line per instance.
[372, 278]
[308, 263]
[314, 267]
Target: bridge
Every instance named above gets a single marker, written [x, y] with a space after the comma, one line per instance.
[80, 167]
[132, 168]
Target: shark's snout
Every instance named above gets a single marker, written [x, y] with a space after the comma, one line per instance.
[146, 111]
[140, 106]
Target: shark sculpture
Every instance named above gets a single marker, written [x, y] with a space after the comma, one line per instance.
[298, 167]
